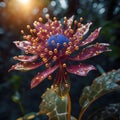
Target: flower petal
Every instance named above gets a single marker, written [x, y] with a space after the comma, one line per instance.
[24, 58]
[91, 37]
[91, 51]
[22, 44]
[70, 21]
[41, 76]
[25, 66]
[26, 46]
[38, 25]
[86, 27]
[82, 30]
[81, 69]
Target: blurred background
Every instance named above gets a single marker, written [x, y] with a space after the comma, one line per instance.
[15, 89]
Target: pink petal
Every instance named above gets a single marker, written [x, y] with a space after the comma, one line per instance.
[38, 25]
[91, 51]
[24, 66]
[81, 69]
[70, 21]
[24, 58]
[22, 44]
[91, 37]
[82, 30]
[41, 76]
[87, 28]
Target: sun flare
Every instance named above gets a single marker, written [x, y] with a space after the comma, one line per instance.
[24, 1]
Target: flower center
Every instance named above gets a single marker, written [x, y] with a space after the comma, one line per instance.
[57, 41]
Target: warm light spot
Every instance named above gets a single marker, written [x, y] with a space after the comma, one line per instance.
[24, 1]
[26, 6]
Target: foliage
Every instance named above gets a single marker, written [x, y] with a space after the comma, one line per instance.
[100, 86]
[54, 106]
[57, 108]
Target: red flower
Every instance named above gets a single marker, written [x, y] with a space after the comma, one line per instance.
[54, 43]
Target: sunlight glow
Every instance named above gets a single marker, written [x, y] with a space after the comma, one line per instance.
[24, 1]
[26, 5]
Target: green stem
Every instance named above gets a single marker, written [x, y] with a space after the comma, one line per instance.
[69, 107]
[66, 111]
[21, 108]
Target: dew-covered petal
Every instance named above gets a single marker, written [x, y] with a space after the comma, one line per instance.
[70, 21]
[91, 37]
[85, 28]
[42, 75]
[24, 58]
[25, 66]
[27, 46]
[22, 44]
[81, 69]
[91, 51]
[82, 30]
[38, 25]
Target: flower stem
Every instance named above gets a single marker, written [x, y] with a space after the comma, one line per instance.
[69, 106]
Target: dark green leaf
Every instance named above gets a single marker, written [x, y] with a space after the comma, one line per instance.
[54, 106]
[100, 86]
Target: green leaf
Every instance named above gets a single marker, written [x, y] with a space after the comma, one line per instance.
[54, 106]
[100, 86]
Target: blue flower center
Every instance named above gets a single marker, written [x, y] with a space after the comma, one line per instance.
[57, 41]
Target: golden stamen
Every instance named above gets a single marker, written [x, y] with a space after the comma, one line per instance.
[22, 32]
[47, 65]
[41, 55]
[81, 19]
[76, 47]
[28, 27]
[53, 42]
[54, 58]
[64, 44]
[55, 50]
[44, 60]
[40, 19]
[46, 49]
[50, 53]
[64, 65]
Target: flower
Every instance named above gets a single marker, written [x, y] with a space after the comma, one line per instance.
[53, 44]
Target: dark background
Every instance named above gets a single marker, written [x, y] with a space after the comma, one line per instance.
[14, 16]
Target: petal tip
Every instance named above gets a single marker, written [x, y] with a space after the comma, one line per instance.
[33, 84]
[99, 28]
[10, 70]
[15, 42]
[90, 23]
[94, 68]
